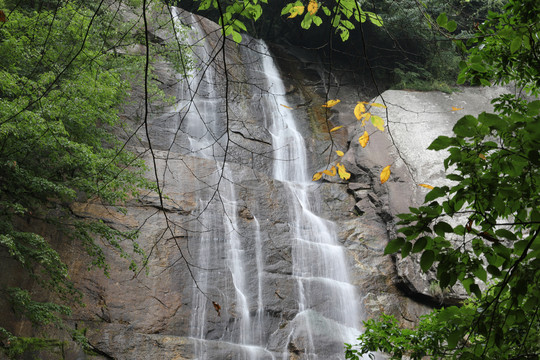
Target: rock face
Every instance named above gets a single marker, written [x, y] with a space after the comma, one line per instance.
[227, 276]
[414, 120]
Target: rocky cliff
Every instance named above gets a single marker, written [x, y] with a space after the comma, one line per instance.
[223, 280]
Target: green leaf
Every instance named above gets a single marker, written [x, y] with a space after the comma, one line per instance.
[530, 304]
[442, 142]
[437, 192]
[349, 25]
[466, 126]
[476, 59]
[442, 19]
[475, 289]
[515, 44]
[501, 250]
[506, 234]
[520, 246]
[478, 67]
[446, 279]
[240, 25]
[493, 270]
[306, 22]
[451, 26]
[406, 249]
[494, 259]
[453, 338]
[420, 244]
[375, 19]
[336, 20]
[394, 246]
[426, 260]
[480, 273]
[327, 11]
[344, 34]
[459, 230]
[485, 82]
[478, 246]
[285, 10]
[442, 227]
[534, 108]
[454, 177]
[237, 37]
[449, 313]
[493, 121]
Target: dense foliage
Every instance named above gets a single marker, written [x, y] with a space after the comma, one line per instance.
[481, 232]
[234, 16]
[61, 86]
[412, 51]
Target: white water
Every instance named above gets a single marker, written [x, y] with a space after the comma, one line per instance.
[221, 249]
[319, 262]
[326, 300]
[199, 129]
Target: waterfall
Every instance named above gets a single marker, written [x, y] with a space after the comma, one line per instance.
[229, 252]
[221, 249]
[326, 296]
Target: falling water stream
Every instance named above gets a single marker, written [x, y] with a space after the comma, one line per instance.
[326, 297]
[327, 313]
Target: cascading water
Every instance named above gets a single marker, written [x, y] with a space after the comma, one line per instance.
[230, 258]
[326, 297]
[199, 130]
[220, 249]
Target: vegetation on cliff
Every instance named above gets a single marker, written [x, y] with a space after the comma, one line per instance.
[62, 82]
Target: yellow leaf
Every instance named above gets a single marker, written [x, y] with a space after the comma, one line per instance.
[331, 103]
[296, 10]
[378, 122]
[340, 153]
[456, 108]
[317, 176]
[343, 172]
[385, 174]
[359, 109]
[482, 156]
[363, 140]
[312, 7]
[331, 172]
[426, 186]
[365, 117]
[285, 106]
[336, 128]
[377, 105]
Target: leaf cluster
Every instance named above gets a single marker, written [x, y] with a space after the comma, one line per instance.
[342, 15]
[361, 113]
[506, 48]
[233, 15]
